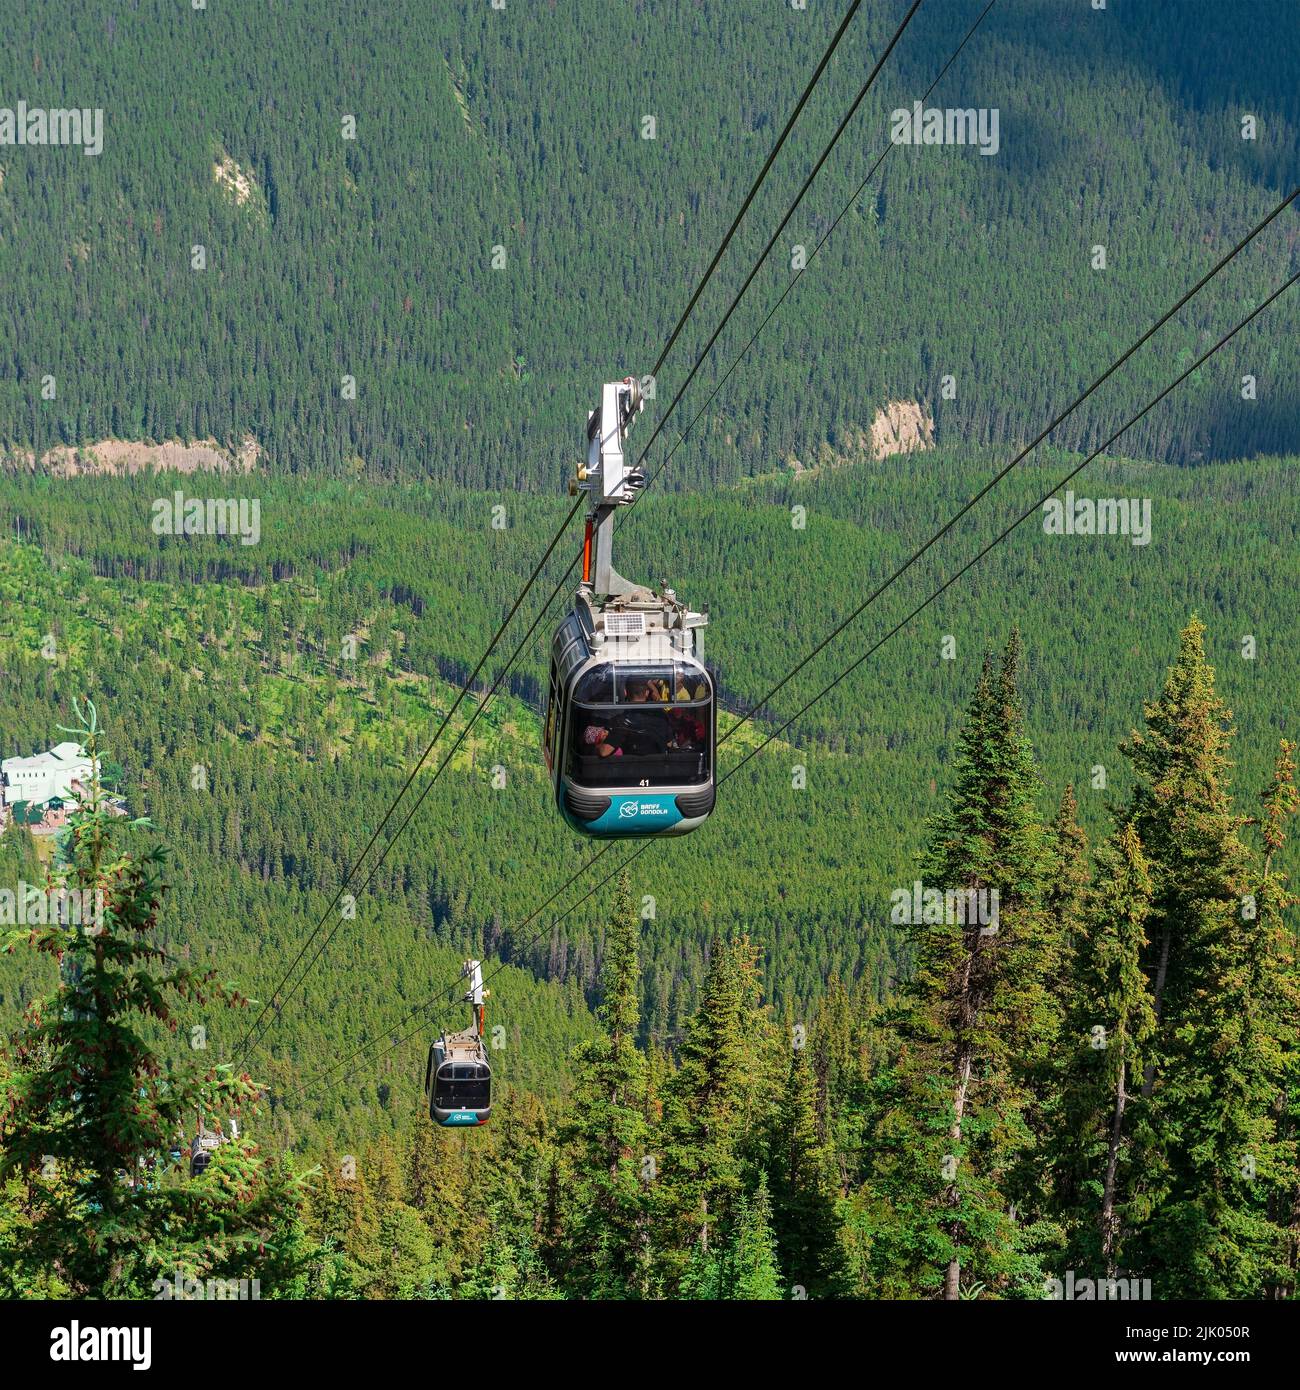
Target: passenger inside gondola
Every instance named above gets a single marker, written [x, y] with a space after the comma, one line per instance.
[596, 736]
[688, 730]
[644, 734]
[641, 728]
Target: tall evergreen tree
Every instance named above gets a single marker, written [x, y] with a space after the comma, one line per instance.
[508, 1266]
[744, 1267]
[951, 1123]
[806, 1187]
[1065, 895]
[715, 1109]
[755, 1273]
[1048, 1181]
[836, 1060]
[92, 1109]
[1275, 898]
[437, 1187]
[1213, 972]
[1111, 1024]
[605, 1248]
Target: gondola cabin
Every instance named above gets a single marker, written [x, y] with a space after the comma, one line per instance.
[629, 731]
[458, 1080]
[630, 727]
[206, 1142]
[458, 1076]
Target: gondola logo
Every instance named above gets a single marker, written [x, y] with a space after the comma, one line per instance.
[628, 809]
[38, 125]
[919, 905]
[952, 125]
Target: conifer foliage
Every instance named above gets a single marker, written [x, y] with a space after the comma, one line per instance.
[95, 1125]
[1089, 1071]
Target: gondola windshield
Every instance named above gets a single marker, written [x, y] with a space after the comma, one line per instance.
[641, 727]
[463, 1086]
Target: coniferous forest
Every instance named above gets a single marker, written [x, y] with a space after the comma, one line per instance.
[981, 982]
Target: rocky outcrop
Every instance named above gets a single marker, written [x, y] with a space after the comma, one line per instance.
[901, 427]
[114, 457]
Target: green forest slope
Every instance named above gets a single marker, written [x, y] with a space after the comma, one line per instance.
[224, 665]
[478, 128]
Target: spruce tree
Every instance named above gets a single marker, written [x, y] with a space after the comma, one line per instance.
[836, 1061]
[507, 1266]
[1065, 894]
[744, 1266]
[1210, 1081]
[1110, 1027]
[605, 1246]
[93, 1110]
[805, 1188]
[715, 1110]
[1275, 899]
[950, 1127]
[437, 1187]
[754, 1273]
[1048, 1179]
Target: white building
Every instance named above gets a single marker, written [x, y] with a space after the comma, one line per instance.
[48, 775]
